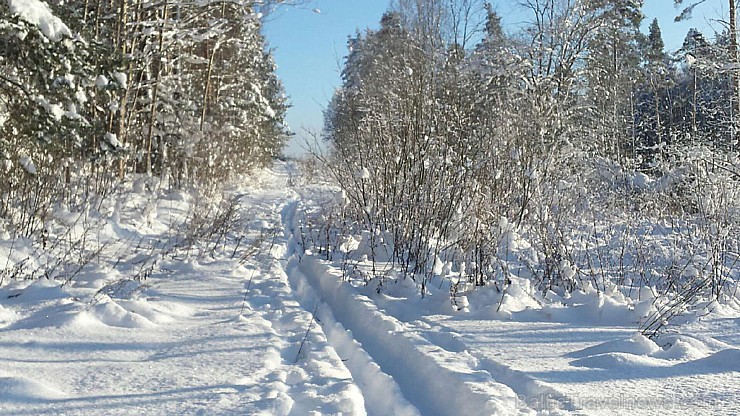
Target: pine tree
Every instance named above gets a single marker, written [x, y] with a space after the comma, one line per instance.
[47, 86]
[651, 127]
[731, 58]
[655, 48]
[703, 110]
[612, 71]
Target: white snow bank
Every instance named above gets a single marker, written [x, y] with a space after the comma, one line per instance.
[725, 360]
[112, 314]
[617, 360]
[428, 376]
[39, 14]
[675, 350]
[23, 389]
[589, 306]
[637, 344]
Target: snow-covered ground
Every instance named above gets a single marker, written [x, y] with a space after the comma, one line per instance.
[252, 325]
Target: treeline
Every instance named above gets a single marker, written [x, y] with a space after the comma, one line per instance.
[451, 137]
[94, 91]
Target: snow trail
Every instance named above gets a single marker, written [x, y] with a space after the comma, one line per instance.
[429, 377]
[187, 341]
[256, 326]
[382, 394]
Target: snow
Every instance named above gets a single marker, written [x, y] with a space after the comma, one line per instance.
[39, 14]
[265, 327]
[55, 110]
[4, 116]
[101, 81]
[431, 378]
[269, 111]
[121, 79]
[27, 164]
[18, 388]
[363, 174]
[112, 139]
[80, 96]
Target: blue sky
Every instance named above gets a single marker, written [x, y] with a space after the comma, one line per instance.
[309, 44]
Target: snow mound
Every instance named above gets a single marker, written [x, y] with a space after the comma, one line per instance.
[41, 290]
[7, 316]
[39, 14]
[112, 314]
[638, 344]
[22, 389]
[157, 312]
[674, 351]
[682, 348]
[589, 308]
[521, 301]
[725, 360]
[618, 360]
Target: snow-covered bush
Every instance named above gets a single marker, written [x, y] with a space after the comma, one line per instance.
[100, 101]
[528, 160]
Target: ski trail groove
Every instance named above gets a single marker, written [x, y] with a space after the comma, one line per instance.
[382, 395]
[428, 377]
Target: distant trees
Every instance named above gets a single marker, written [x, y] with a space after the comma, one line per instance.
[443, 148]
[182, 91]
[193, 71]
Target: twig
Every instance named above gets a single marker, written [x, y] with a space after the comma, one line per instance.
[246, 291]
[305, 337]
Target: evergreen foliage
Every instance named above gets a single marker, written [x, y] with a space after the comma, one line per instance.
[96, 90]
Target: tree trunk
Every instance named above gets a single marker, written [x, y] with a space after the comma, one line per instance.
[121, 44]
[208, 85]
[733, 58]
[153, 109]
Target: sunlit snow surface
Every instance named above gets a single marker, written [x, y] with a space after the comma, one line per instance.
[279, 332]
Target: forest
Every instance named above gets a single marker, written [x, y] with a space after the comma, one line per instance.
[496, 218]
[96, 91]
[575, 151]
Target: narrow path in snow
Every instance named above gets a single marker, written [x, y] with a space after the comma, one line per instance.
[207, 335]
[426, 378]
[382, 395]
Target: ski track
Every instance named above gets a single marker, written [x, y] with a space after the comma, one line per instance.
[434, 380]
[183, 348]
[382, 394]
[279, 334]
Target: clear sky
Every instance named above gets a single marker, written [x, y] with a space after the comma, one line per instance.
[310, 41]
